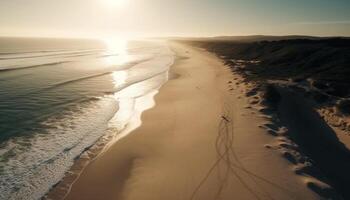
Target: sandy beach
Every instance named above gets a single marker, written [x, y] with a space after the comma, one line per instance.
[201, 141]
[175, 100]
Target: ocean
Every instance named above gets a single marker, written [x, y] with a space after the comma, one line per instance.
[58, 97]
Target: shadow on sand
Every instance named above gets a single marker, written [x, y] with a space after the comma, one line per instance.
[318, 140]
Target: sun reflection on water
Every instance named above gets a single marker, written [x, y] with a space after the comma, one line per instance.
[117, 51]
[119, 78]
[135, 89]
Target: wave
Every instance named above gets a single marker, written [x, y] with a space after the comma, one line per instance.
[67, 137]
[17, 76]
[58, 84]
[47, 51]
[135, 81]
[48, 55]
[108, 55]
[79, 55]
[63, 83]
[12, 68]
[66, 82]
[33, 66]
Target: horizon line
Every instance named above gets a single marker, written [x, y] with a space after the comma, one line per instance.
[172, 36]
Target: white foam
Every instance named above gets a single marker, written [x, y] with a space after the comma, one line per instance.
[30, 166]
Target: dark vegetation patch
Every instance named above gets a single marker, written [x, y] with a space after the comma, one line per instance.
[344, 107]
[321, 64]
[326, 61]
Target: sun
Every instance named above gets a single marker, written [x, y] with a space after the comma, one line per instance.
[114, 3]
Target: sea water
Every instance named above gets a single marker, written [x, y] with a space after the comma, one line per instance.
[59, 96]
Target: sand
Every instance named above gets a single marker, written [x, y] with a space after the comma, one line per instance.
[199, 142]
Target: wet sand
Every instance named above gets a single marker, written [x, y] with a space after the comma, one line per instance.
[199, 142]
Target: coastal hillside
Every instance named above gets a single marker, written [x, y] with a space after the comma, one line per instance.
[250, 38]
[323, 65]
[325, 60]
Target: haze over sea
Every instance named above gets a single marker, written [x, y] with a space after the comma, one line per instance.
[59, 96]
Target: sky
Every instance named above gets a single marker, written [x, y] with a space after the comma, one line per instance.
[154, 18]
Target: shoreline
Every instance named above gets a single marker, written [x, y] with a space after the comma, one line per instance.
[195, 108]
[62, 188]
[112, 136]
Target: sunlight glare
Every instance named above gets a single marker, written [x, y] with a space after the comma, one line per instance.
[114, 3]
[119, 78]
[116, 53]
